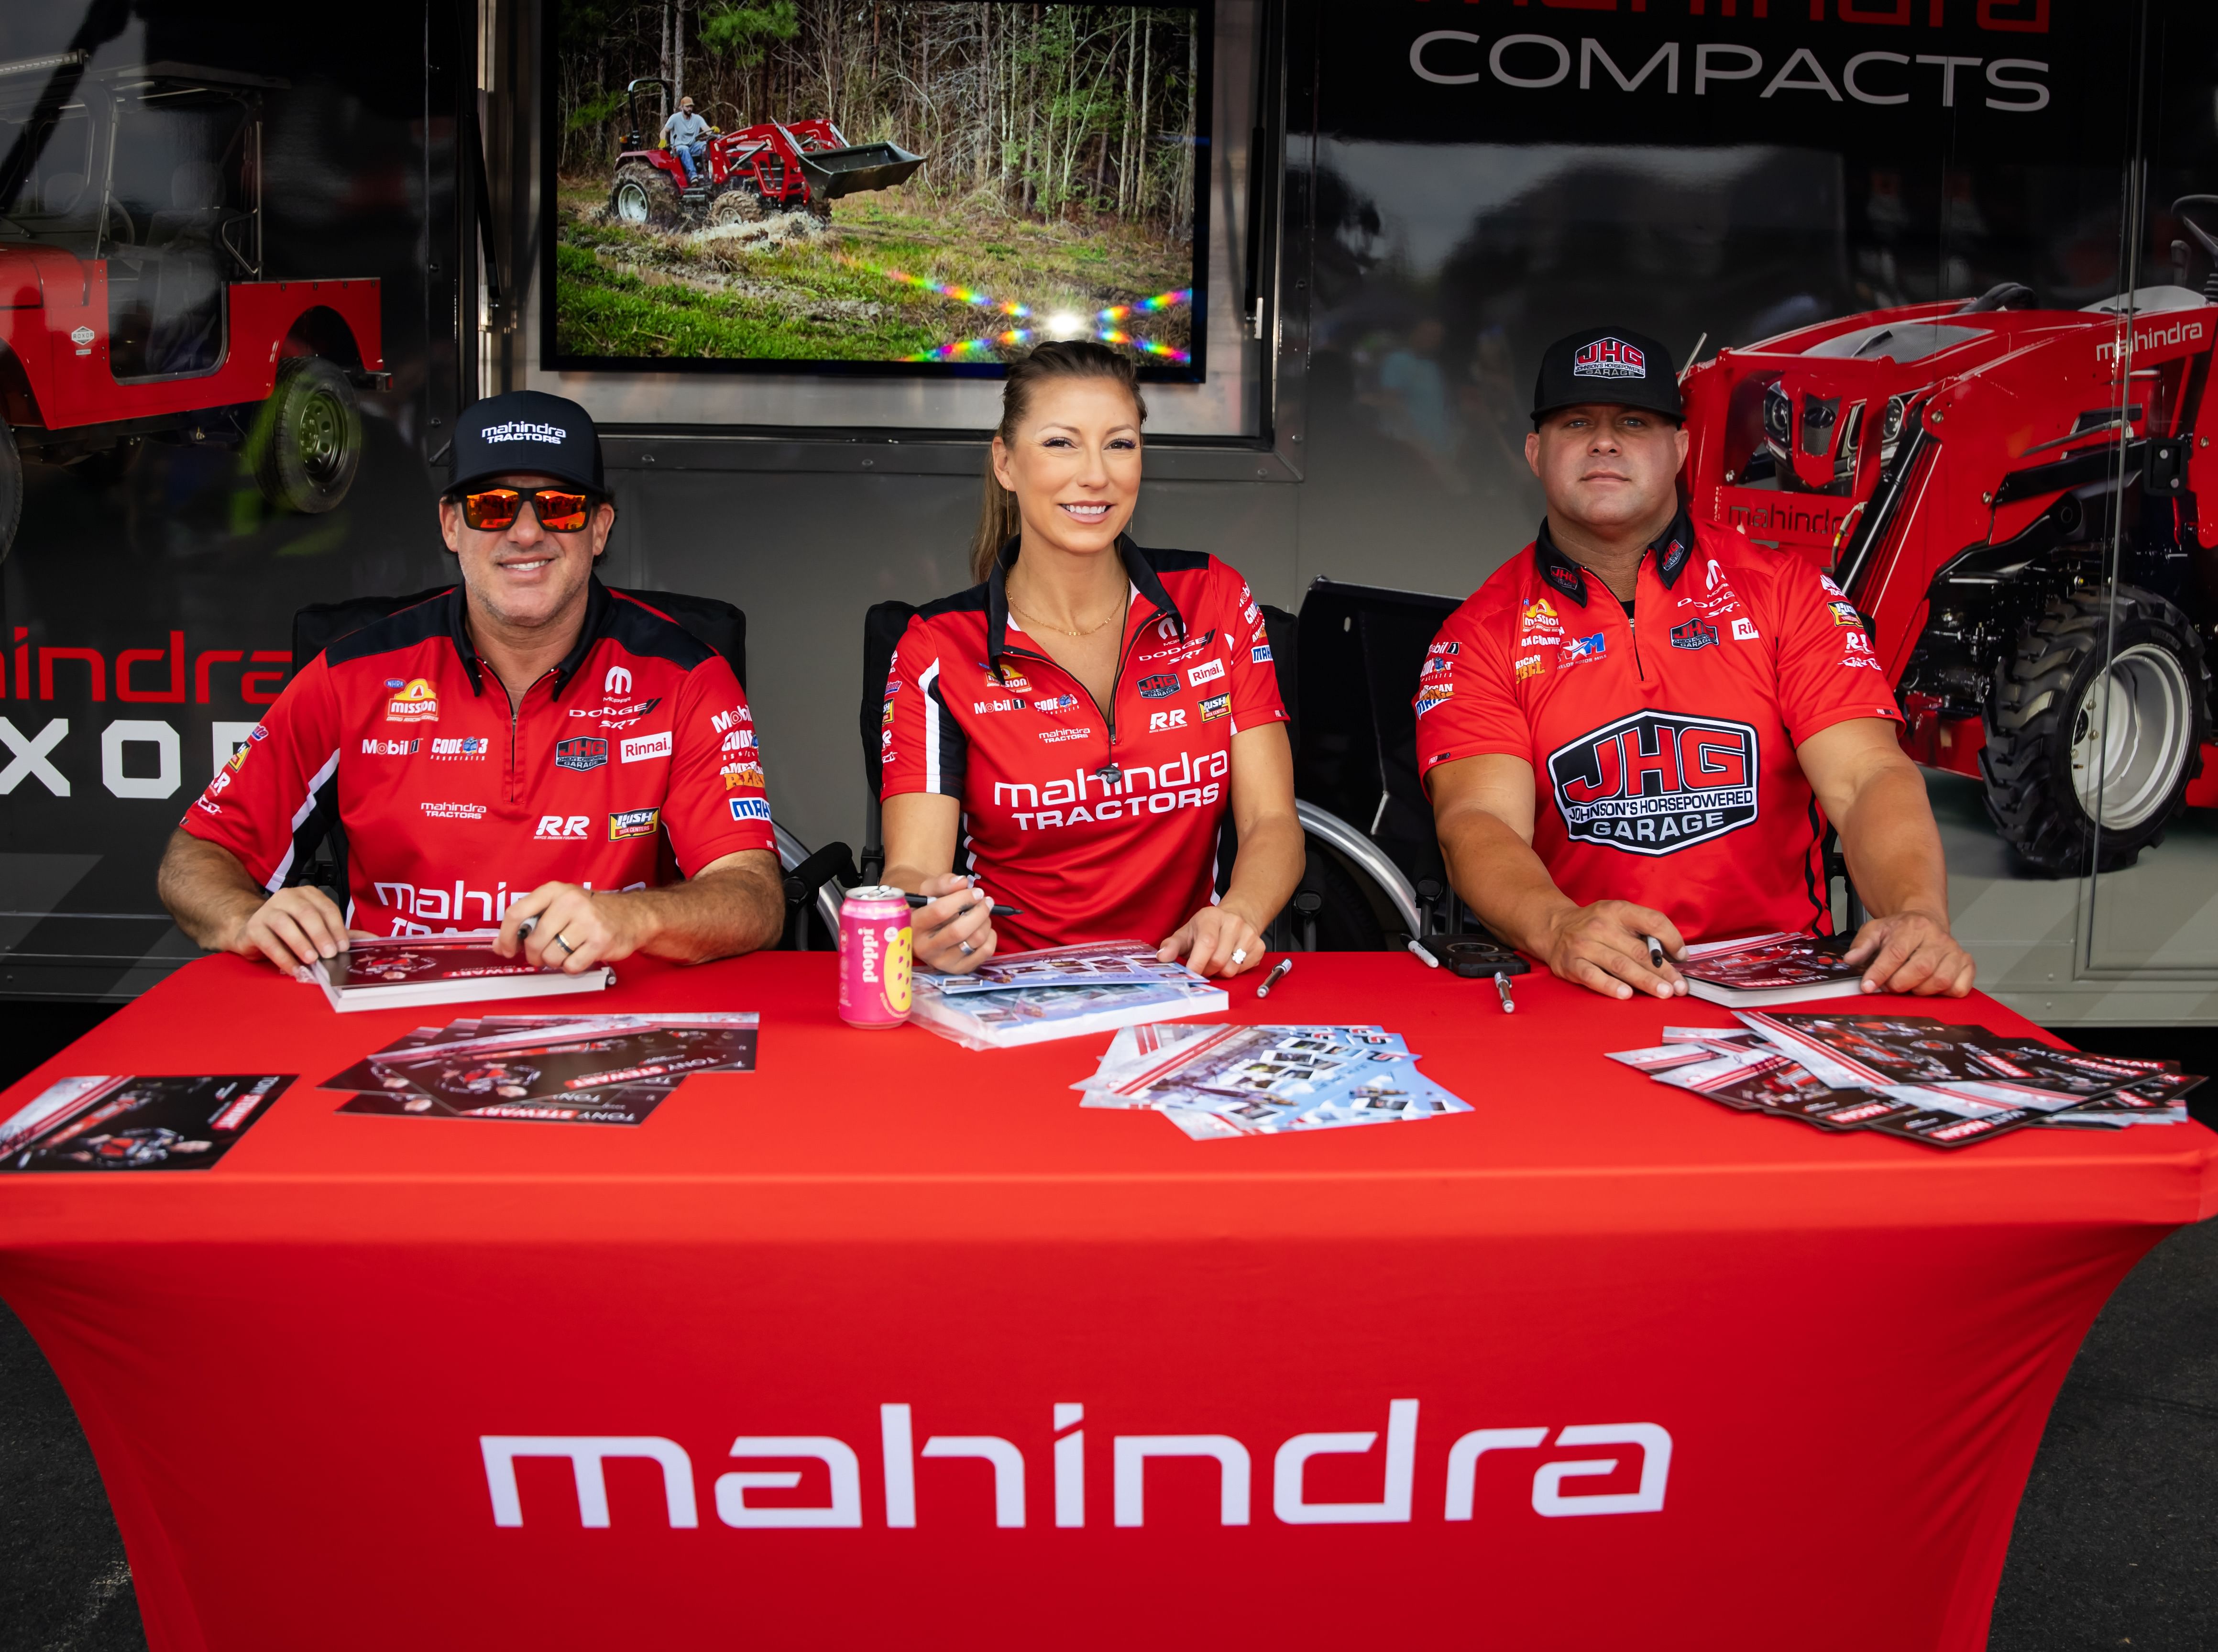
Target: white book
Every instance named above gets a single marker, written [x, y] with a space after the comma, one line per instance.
[461, 968]
[1759, 970]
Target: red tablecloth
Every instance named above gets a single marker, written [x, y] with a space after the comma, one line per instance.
[321, 1377]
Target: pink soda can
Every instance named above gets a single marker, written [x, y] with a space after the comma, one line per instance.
[873, 957]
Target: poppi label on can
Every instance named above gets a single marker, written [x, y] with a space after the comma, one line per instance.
[873, 957]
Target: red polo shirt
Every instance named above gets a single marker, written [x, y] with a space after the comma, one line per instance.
[1098, 822]
[454, 805]
[1662, 742]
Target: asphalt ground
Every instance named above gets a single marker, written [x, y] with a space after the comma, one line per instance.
[2113, 1548]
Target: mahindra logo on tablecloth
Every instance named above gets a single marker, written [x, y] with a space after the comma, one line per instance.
[1553, 1493]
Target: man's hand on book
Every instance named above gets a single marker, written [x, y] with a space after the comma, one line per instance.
[1913, 953]
[578, 929]
[293, 928]
[1605, 947]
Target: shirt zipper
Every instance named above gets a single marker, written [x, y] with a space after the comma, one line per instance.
[1124, 657]
[514, 721]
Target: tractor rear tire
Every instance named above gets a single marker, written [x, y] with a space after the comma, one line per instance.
[11, 489]
[643, 197]
[305, 445]
[2094, 727]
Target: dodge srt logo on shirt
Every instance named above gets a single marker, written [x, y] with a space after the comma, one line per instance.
[1656, 781]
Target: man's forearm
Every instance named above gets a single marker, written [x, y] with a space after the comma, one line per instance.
[1893, 848]
[1501, 879]
[717, 915]
[205, 890]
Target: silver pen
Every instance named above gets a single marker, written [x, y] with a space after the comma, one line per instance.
[1278, 974]
[1501, 986]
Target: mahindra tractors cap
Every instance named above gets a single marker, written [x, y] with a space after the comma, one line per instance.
[1607, 364]
[527, 431]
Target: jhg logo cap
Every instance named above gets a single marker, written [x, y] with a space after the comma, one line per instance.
[1607, 364]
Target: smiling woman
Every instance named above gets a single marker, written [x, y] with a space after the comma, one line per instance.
[1080, 721]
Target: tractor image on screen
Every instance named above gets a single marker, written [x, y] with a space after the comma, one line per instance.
[135, 303]
[747, 174]
[2010, 498]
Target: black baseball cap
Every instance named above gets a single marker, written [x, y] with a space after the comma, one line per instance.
[525, 431]
[1607, 364]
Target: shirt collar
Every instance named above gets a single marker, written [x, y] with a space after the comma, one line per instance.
[1674, 549]
[1139, 569]
[596, 619]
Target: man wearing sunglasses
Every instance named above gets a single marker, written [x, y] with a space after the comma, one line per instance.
[529, 745]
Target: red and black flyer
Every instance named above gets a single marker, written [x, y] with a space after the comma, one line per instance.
[166, 1122]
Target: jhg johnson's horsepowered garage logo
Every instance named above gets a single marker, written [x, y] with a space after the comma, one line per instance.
[1656, 781]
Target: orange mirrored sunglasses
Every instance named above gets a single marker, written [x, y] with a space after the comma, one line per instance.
[560, 509]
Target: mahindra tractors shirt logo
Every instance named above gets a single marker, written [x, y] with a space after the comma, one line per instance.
[580, 755]
[418, 702]
[1656, 781]
[1161, 686]
[1609, 358]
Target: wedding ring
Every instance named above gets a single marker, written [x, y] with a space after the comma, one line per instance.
[564, 945]
[1239, 958]
[967, 947]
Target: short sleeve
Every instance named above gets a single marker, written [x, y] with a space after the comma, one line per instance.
[921, 746]
[1466, 701]
[1828, 672]
[263, 796]
[1254, 673]
[717, 802]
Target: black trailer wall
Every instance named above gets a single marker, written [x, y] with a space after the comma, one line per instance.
[1460, 183]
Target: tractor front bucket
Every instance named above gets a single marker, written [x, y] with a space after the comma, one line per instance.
[834, 172]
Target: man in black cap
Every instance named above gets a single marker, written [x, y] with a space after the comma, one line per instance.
[1634, 733]
[528, 746]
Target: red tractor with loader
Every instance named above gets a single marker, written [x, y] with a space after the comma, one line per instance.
[134, 302]
[2011, 498]
[747, 174]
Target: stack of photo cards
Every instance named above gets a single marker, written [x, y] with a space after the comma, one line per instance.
[461, 968]
[1910, 1076]
[1216, 1082]
[101, 1122]
[1059, 992]
[550, 1069]
[1761, 970]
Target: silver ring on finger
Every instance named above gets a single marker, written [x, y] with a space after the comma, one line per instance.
[1239, 957]
[967, 948]
[564, 944]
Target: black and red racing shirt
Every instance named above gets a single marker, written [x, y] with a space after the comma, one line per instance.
[1097, 822]
[455, 804]
[1662, 741]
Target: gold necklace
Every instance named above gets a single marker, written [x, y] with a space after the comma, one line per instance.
[1064, 629]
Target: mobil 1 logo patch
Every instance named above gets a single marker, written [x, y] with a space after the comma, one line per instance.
[1656, 781]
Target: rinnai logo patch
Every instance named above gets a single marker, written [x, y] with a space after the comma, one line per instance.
[1561, 1462]
[1609, 358]
[640, 748]
[1656, 781]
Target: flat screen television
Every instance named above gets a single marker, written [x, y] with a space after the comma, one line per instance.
[909, 187]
